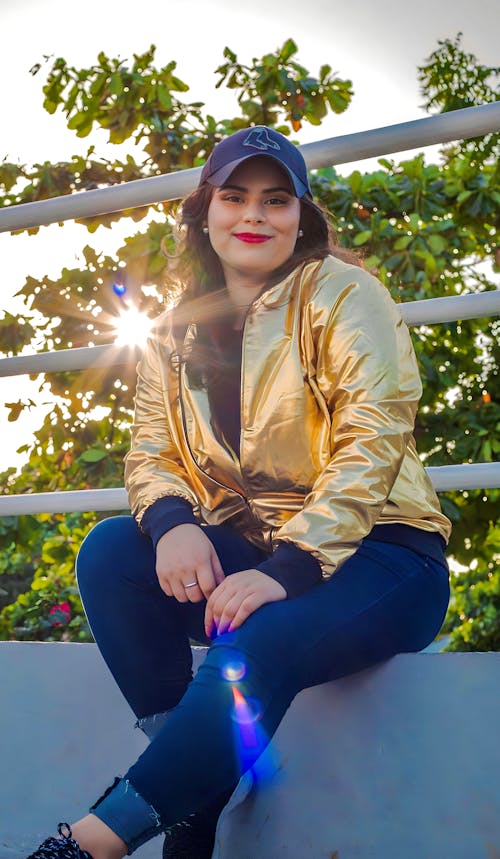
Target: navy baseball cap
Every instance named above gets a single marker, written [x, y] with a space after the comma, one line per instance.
[259, 140]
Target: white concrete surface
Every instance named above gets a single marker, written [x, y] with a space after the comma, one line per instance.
[398, 762]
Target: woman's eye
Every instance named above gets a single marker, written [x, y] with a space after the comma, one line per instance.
[277, 201]
[232, 198]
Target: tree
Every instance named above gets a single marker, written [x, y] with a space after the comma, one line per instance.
[424, 229]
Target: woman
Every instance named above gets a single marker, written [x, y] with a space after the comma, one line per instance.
[281, 512]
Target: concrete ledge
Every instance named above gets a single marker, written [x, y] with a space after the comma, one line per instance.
[398, 762]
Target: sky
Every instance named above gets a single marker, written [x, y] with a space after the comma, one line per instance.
[378, 44]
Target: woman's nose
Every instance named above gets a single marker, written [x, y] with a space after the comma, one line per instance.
[254, 214]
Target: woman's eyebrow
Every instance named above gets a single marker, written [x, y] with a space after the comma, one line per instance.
[264, 190]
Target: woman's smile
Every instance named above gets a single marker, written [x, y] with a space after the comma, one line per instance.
[252, 238]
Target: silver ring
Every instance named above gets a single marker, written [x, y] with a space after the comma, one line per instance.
[191, 585]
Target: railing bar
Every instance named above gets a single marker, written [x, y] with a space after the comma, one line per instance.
[431, 311]
[423, 312]
[479, 475]
[68, 360]
[458, 124]
[444, 128]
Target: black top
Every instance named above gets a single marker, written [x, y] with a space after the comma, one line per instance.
[224, 391]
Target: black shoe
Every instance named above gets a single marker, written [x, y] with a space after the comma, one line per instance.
[193, 838]
[60, 848]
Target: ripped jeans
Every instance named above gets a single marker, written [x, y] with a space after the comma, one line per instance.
[385, 599]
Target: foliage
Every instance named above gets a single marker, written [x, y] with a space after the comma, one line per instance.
[51, 609]
[139, 103]
[424, 229]
[447, 86]
[278, 82]
[473, 615]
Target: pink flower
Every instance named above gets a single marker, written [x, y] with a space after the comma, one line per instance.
[61, 613]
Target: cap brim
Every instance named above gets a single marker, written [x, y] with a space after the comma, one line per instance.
[220, 176]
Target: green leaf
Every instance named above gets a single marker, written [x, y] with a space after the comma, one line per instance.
[164, 97]
[77, 119]
[402, 243]
[288, 49]
[437, 244]
[337, 101]
[486, 453]
[372, 261]
[178, 85]
[362, 237]
[50, 106]
[94, 454]
[393, 262]
[116, 84]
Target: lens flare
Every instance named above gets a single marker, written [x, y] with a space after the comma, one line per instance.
[250, 737]
[234, 671]
[132, 328]
[247, 711]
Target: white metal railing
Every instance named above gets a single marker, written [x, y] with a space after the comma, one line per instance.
[481, 475]
[67, 360]
[457, 125]
[460, 124]
[425, 312]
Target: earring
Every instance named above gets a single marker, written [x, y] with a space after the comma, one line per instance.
[205, 230]
[300, 234]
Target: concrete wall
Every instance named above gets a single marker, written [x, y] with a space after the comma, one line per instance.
[398, 762]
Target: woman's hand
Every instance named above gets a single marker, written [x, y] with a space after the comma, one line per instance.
[237, 597]
[185, 555]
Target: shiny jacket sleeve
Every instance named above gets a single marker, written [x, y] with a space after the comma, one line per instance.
[153, 466]
[366, 379]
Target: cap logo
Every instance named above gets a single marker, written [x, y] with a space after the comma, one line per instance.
[259, 139]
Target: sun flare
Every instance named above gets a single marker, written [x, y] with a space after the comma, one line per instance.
[132, 328]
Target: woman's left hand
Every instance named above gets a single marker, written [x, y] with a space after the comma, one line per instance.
[237, 597]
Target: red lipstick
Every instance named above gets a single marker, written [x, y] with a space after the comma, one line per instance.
[252, 238]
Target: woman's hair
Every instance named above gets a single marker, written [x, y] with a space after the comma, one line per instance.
[195, 270]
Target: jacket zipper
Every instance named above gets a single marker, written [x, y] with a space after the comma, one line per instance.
[186, 439]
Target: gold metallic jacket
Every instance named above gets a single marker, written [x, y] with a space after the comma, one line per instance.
[329, 393]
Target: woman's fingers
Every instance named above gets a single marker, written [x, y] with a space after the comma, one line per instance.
[165, 586]
[247, 607]
[239, 595]
[236, 610]
[219, 614]
[206, 583]
[217, 569]
[191, 585]
[178, 589]
[211, 612]
[187, 564]
[223, 605]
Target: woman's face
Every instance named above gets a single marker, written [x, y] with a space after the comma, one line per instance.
[253, 220]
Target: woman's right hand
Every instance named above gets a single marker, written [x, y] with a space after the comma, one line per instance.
[184, 555]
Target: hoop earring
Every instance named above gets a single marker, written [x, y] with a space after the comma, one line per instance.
[300, 234]
[205, 230]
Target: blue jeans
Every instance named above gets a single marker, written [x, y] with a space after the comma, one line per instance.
[385, 599]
